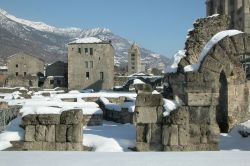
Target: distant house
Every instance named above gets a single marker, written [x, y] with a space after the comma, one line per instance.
[90, 64]
[56, 75]
[24, 70]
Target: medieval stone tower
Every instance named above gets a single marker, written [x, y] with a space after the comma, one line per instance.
[238, 10]
[134, 59]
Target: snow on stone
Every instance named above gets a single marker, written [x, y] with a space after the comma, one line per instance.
[138, 81]
[175, 60]
[110, 106]
[87, 40]
[170, 105]
[129, 105]
[214, 40]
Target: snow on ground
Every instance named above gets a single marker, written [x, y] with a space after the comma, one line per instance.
[234, 141]
[111, 137]
[214, 40]
[125, 159]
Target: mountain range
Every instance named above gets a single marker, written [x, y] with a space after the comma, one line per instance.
[50, 43]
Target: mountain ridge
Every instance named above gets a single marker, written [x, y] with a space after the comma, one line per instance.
[50, 43]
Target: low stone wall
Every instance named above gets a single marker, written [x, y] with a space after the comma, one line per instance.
[123, 116]
[185, 129]
[93, 120]
[7, 113]
[117, 100]
[53, 131]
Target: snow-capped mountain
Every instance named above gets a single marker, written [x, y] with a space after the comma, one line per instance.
[50, 43]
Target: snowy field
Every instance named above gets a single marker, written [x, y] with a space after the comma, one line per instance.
[111, 137]
[124, 159]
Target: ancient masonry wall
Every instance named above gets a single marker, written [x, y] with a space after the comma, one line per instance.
[53, 131]
[185, 129]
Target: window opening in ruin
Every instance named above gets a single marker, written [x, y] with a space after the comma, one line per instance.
[87, 75]
[86, 50]
[222, 107]
[16, 65]
[79, 50]
[101, 76]
[91, 51]
[16, 73]
[24, 73]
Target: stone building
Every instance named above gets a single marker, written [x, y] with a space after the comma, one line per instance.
[90, 64]
[24, 70]
[134, 59]
[238, 10]
[56, 75]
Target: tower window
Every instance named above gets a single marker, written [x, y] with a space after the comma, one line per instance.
[132, 55]
[101, 76]
[87, 75]
[24, 73]
[16, 65]
[16, 73]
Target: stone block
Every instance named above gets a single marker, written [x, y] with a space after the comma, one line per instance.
[156, 132]
[150, 100]
[61, 133]
[183, 135]
[247, 43]
[31, 146]
[49, 146]
[194, 77]
[30, 119]
[29, 133]
[199, 115]
[61, 146]
[40, 132]
[75, 133]
[212, 64]
[146, 114]
[141, 131]
[74, 146]
[195, 133]
[50, 133]
[166, 130]
[48, 119]
[213, 134]
[199, 99]
[143, 88]
[238, 41]
[173, 148]
[179, 116]
[142, 146]
[174, 135]
[74, 116]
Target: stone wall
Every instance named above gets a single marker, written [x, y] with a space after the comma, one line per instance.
[54, 131]
[25, 81]
[185, 129]
[93, 120]
[123, 116]
[7, 113]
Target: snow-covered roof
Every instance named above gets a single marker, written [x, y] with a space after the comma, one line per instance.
[87, 40]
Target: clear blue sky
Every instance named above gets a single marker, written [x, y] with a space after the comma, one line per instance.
[159, 25]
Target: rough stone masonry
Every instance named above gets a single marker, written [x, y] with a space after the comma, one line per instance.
[54, 132]
[215, 98]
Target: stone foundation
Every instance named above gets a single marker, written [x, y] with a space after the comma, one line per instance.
[123, 116]
[54, 132]
[93, 120]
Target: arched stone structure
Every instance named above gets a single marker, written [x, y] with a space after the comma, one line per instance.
[214, 98]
